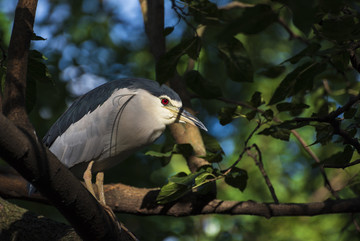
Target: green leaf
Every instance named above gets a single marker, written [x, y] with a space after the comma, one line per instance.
[251, 115]
[300, 79]
[251, 21]
[342, 157]
[201, 86]
[237, 62]
[184, 149]
[300, 9]
[276, 132]
[194, 48]
[268, 114]
[344, 28]
[171, 192]
[203, 11]
[211, 143]
[350, 113]
[256, 99]
[214, 152]
[324, 133]
[158, 154]
[282, 131]
[166, 66]
[37, 38]
[285, 106]
[340, 60]
[237, 178]
[273, 71]
[181, 183]
[186, 180]
[227, 114]
[309, 51]
[168, 30]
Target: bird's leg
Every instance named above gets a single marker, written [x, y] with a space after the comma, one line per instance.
[87, 178]
[100, 187]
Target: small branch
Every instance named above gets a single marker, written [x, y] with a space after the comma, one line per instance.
[297, 136]
[331, 119]
[259, 163]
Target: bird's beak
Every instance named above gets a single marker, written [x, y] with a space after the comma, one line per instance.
[183, 116]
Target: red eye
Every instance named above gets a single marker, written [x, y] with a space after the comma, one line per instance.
[164, 101]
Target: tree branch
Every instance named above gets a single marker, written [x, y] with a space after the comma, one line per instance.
[142, 201]
[15, 82]
[52, 179]
[153, 14]
[19, 224]
[20, 147]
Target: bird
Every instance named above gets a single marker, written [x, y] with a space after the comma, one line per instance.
[109, 123]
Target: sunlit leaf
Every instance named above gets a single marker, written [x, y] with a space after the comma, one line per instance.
[158, 154]
[171, 192]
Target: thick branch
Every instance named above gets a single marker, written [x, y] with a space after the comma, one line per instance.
[15, 84]
[36, 163]
[19, 145]
[19, 224]
[142, 201]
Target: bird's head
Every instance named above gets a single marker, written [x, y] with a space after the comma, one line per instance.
[165, 105]
[174, 112]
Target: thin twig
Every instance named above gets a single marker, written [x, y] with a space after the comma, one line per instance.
[297, 136]
[260, 164]
[335, 123]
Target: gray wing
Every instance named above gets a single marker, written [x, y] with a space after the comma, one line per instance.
[90, 137]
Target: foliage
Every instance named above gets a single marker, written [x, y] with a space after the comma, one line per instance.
[262, 70]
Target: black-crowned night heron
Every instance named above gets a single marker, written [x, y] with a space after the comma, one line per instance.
[109, 123]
